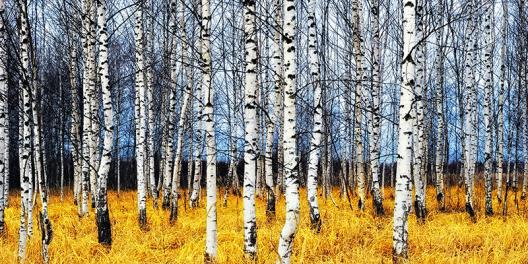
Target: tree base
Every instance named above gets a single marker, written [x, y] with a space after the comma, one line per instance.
[315, 221]
[421, 211]
[209, 259]
[399, 258]
[142, 219]
[361, 205]
[173, 214]
[270, 204]
[104, 230]
[251, 256]
[471, 212]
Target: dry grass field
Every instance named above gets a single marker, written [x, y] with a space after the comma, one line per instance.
[347, 236]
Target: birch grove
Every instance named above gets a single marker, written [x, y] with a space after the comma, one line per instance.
[367, 109]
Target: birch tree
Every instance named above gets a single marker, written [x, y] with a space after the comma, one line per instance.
[93, 97]
[439, 72]
[291, 182]
[488, 91]
[195, 195]
[251, 144]
[86, 120]
[26, 154]
[141, 120]
[149, 106]
[278, 79]
[4, 119]
[102, 215]
[317, 131]
[375, 110]
[169, 162]
[359, 86]
[183, 115]
[500, 104]
[418, 128]
[211, 240]
[403, 186]
[469, 82]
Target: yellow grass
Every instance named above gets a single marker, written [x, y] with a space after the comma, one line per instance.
[347, 236]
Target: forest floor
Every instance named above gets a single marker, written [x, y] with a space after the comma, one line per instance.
[347, 236]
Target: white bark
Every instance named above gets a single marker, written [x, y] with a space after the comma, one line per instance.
[211, 240]
[360, 86]
[86, 127]
[488, 93]
[141, 120]
[500, 106]
[317, 132]
[403, 186]
[4, 119]
[251, 143]
[290, 137]
[469, 112]
[25, 161]
[418, 129]
[439, 159]
[169, 162]
[375, 111]
[195, 195]
[102, 215]
[94, 100]
[150, 105]
[184, 113]
[278, 78]
[75, 129]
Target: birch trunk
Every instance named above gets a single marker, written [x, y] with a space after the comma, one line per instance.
[4, 119]
[488, 93]
[104, 230]
[468, 112]
[317, 132]
[75, 130]
[360, 84]
[169, 162]
[86, 127]
[150, 105]
[211, 240]
[278, 79]
[524, 90]
[196, 193]
[25, 161]
[376, 121]
[61, 139]
[290, 136]
[183, 116]
[94, 100]
[439, 159]
[251, 143]
[418, 129]
[403, 188]
[500, 122]
[117, 146]
[141, 121]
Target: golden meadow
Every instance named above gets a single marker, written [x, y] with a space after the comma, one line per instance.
[347, 235]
